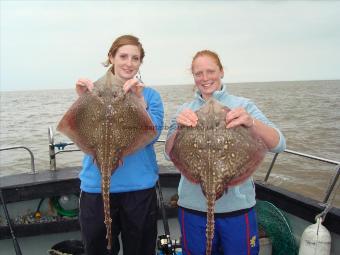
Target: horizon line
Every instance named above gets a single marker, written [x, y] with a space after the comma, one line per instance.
[179, 84]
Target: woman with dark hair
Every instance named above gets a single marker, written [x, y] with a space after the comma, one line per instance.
[133, 199]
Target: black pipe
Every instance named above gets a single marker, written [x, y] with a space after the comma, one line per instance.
[15, 241]
[167, 246]
[164, 217]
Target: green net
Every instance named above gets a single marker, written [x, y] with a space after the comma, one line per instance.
[276, 227]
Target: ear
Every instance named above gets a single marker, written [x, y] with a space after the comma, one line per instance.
[111, 59]
[222, 74]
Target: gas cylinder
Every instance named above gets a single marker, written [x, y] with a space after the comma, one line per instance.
[315, 240]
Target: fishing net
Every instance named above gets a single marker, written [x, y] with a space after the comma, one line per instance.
[276, 227]
[63, 211]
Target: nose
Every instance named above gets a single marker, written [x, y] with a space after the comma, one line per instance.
[129, 61]
[205, 76]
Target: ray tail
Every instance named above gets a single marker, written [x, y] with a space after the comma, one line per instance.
[106, 179]
[211, 198]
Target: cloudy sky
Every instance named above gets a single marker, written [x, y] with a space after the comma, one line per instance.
[50, 44]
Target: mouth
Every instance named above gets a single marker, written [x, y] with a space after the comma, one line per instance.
[207, 84]
[128, 71]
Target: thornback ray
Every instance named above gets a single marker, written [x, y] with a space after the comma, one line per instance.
[108, 124]
[216, 157]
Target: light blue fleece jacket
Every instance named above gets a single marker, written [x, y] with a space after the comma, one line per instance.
[139, 170]
[238, 197]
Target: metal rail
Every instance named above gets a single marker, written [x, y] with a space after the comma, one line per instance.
[27, 149]
[304, 155]
[61, 147]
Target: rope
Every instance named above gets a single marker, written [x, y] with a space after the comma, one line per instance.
[329, 205]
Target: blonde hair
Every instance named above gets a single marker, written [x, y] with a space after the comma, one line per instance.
[122, 41]
[209, 53]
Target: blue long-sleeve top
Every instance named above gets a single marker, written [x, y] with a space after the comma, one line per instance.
[139, 170]
[235, 198]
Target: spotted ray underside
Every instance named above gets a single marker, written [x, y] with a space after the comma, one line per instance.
[216, 157]
[108, 124]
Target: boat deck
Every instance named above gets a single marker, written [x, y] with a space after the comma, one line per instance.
[35, 245]
[26, 186]
[46, 184]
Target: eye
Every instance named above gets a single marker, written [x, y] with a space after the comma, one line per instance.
[135, 58]
[123, 56]
[198, 74]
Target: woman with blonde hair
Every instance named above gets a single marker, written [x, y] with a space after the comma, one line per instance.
[235, 220]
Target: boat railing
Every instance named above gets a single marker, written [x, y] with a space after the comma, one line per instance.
[304, 155]
[33, 171]
[62, 145]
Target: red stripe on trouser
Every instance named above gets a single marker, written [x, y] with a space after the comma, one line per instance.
[185, 246]
[248, 233]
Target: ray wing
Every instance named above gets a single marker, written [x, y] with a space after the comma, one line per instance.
[82, 121]
[246, 152]
[133, 126]
[188, 154]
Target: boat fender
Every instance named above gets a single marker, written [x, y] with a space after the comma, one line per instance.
[316, 239]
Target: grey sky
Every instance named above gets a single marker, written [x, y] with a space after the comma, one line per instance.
[49, 44]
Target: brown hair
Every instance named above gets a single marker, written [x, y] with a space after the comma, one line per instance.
[209, 53]
[121, 41]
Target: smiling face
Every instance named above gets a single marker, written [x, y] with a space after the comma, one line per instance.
[126, 61]
[207, 75]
